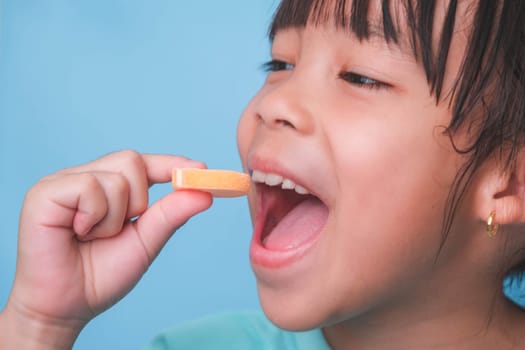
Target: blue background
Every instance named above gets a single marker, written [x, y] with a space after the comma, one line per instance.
[80, 79]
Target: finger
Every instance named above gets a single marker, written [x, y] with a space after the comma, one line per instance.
[159, 167]
[73, 202]
[116, 190]
[142, 171]
[158, 223]
[131, 165]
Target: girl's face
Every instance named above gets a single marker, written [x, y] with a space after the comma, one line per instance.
[352, 123]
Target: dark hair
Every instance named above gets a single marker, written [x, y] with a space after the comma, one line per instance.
[488, 95]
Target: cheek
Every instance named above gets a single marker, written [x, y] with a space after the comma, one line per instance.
[245, 133]
[389, 212]
[393, 179]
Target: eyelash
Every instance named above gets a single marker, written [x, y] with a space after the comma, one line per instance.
[363, 81]
[276, 66]
[350, 77]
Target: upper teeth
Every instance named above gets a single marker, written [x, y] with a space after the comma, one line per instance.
[277, 180]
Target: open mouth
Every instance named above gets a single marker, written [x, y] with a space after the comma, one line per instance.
[290, 216]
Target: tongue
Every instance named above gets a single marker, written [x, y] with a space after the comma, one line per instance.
[300, 225]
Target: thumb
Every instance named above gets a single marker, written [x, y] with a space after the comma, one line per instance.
[156, 225]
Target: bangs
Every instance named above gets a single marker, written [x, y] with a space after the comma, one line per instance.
[299, 13]
[402, 22]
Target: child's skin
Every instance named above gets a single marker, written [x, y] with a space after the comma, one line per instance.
[373, 152]
[377, 158]
[66, 273]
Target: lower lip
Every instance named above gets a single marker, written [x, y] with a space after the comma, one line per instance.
[275, 259]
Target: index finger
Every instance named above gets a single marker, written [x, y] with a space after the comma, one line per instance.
[159, 167]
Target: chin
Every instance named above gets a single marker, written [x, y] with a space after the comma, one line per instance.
[291, 312]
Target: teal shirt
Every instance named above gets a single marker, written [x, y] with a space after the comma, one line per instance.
[236, 331]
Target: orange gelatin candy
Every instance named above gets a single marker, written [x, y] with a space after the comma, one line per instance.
[220, 183]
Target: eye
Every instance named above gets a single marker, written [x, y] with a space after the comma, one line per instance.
[276, 66]
[362, 81]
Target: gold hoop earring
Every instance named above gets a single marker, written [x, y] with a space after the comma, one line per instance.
[492, 227]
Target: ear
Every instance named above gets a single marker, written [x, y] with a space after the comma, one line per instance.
[502, 192]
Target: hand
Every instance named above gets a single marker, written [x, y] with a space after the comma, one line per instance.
[86, 236]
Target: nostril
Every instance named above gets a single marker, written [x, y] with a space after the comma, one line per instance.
[284, 122]
[275, 121]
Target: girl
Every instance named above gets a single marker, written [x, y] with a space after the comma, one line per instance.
[388, 205]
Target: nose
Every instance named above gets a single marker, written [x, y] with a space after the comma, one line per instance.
[287, 105]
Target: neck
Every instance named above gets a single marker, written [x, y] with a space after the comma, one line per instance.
[443, 322]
